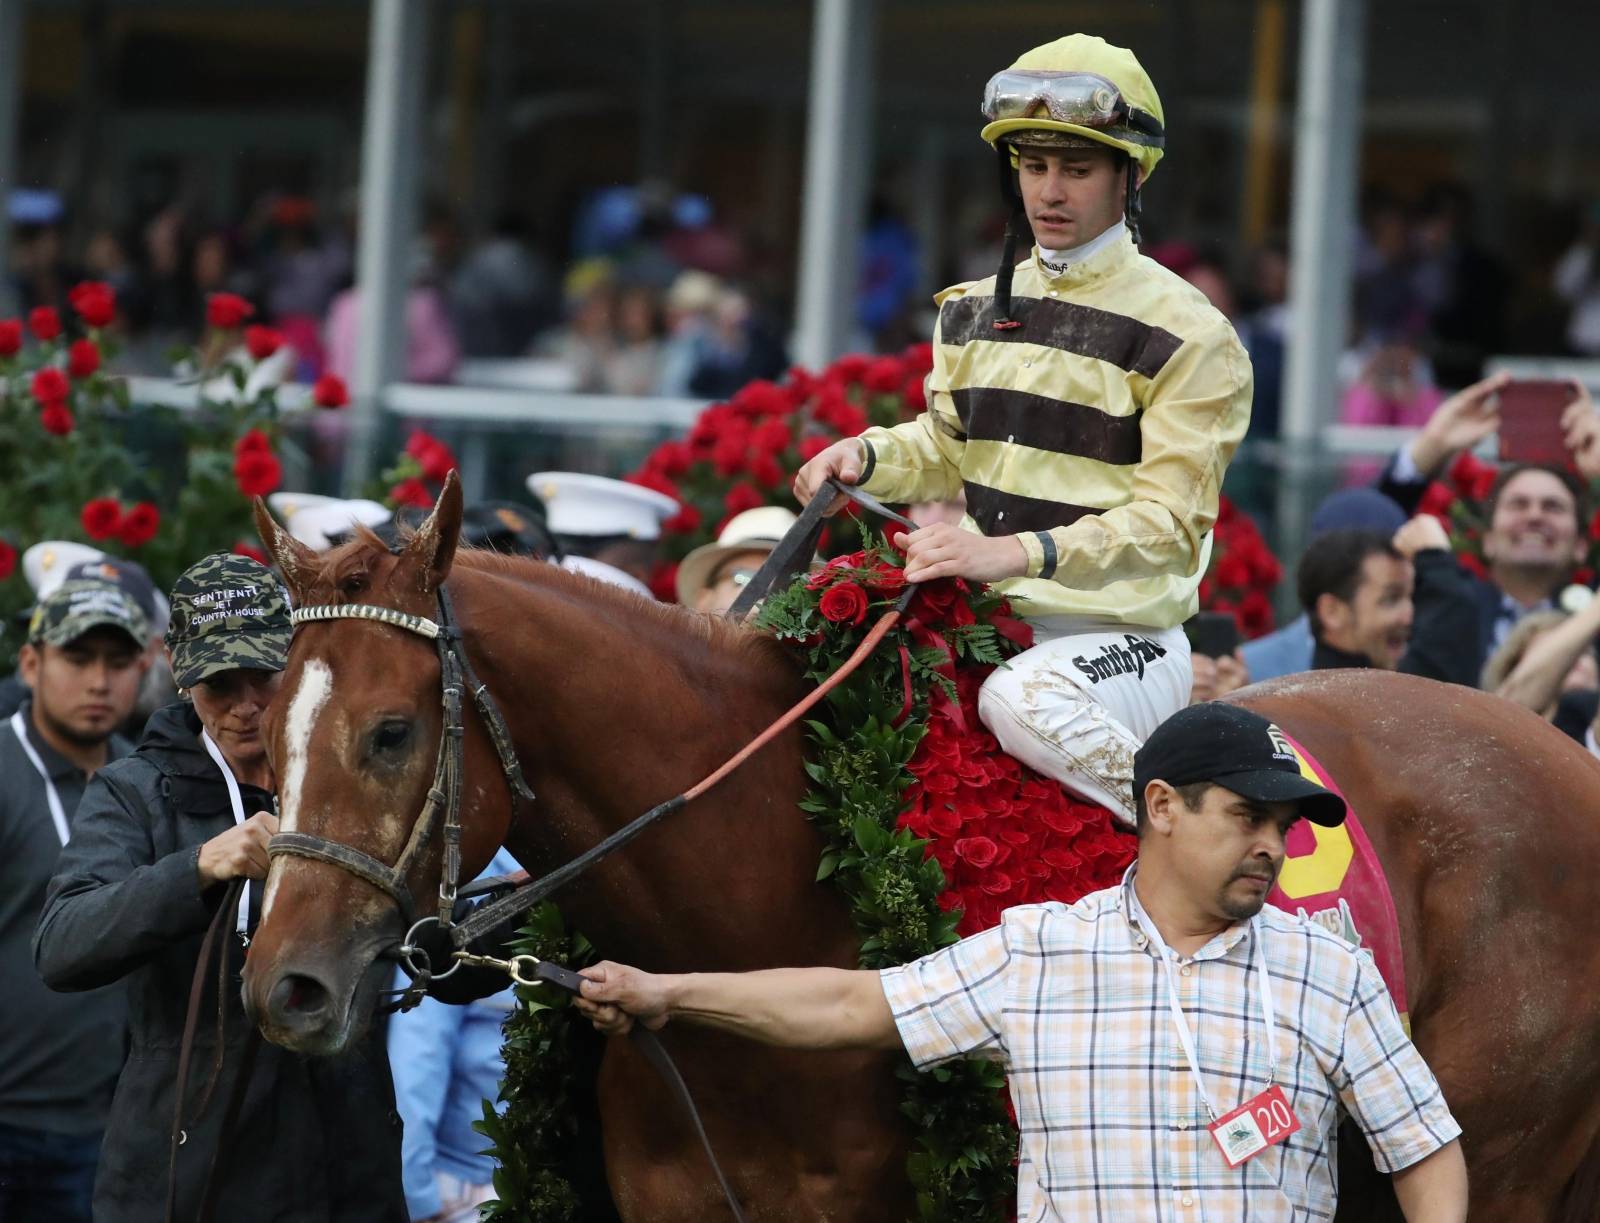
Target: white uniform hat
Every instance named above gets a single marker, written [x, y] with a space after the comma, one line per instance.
[45, 564]
[598, 507]
[314, 519]
[757, 530]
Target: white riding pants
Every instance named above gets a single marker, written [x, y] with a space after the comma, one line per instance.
[1078, 704]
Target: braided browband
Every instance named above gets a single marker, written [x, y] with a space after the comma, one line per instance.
[420, 625]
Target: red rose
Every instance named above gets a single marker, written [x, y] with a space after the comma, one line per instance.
[245, 548]
[848, 369]
[95, 301]
[1594, 526]
[767, 471]
[44, 322]
[650, 479]
[977, 851]
[728, 455]
[50, 385]
[139, 525]
[742, 497]
[226, 311]
[811, 447]
[10, 337]
[1264, 568]
[685, 522]
[8, 560]
[412, 492]
[1472, 564]
[1437, 501]
[884, 376]
[253, 441]
[1255, 614]
[1232, 571]
[915, 393]
[101, 518]
[919, 358]
[329, 391]
[762, 398]
[257, 472]
[887, 579]
[771, 436]
[672, 459]
[935, 599]
[83, 358]
[434, 457]
[56, 418]
[844, 603]
[262, 341]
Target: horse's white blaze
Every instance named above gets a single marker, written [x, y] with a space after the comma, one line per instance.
[315, 687]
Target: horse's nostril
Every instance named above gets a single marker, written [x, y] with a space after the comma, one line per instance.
[298, 1000]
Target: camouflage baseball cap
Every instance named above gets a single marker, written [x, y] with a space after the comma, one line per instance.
[227, 611]
[75, 607]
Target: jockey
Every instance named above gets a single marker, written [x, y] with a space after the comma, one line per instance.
[1088, 402]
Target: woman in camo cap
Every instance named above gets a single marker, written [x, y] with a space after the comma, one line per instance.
[158, 837]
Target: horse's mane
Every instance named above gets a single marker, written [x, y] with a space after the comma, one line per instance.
[330, 573]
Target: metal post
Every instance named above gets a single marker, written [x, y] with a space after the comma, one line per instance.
[10, 121]
[1326, 164]
[838, 158]
[392, 132]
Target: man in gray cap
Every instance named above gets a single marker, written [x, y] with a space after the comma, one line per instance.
[59, 1057]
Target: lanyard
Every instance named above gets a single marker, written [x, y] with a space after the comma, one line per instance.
[58, 814]
[1185, 1036]
[242, 925]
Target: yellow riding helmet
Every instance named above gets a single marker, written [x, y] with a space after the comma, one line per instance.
[1084, 78]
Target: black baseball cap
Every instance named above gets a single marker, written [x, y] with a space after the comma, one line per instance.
[1237, 750]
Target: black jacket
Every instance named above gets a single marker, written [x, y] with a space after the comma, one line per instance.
[1446, 626]
[318, 1140]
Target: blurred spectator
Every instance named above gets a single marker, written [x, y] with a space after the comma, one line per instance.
[1395, 388]
[1577, 279]
[1386, 298]
[1288, 650]
[1264, 331]
[691, 302]
[585, 343]
[1209, 276]
[1548, 664]
[739, 348]
[431, 349]
[633, 366]
[1462, 288]
[1397, 604]
[301, 272]
[889, 269]
[498, 295]
[1214, 678]
[713, 576]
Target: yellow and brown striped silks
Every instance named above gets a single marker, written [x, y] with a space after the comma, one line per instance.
[1097, 432]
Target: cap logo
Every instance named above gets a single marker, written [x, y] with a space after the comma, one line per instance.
[1281, 747]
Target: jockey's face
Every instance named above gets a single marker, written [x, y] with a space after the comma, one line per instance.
[1071, 195]
[1376, 622]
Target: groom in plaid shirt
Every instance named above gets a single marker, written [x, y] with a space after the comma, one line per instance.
[1153, 1075]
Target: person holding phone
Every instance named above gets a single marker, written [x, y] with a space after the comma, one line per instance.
[1088, 401]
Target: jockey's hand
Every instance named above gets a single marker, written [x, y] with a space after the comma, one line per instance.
[1580, 424]
[242, 850]
[842, 461]
[944, 550]
[1457, 424]
[615, 995]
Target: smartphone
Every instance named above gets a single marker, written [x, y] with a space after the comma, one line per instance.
[1530, 421]
[1214, 634]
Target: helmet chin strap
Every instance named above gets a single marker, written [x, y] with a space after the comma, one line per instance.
[1016, 223]
[1134, 206]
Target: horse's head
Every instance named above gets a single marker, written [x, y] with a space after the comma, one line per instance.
[354, 737]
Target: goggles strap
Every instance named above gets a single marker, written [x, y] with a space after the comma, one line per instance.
[1015, 222]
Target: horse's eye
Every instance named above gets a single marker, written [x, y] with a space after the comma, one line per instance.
[391, 736]
[353, 584]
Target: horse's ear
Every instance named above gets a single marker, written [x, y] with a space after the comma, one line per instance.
[293, 559]
[433, 547]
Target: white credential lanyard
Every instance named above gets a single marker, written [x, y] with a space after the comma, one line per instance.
[242, 925]
[58, 814]
[1165, 954]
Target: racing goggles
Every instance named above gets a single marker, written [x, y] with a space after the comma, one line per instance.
[1079, 98]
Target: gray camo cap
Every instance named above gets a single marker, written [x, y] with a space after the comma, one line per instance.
[228, 612]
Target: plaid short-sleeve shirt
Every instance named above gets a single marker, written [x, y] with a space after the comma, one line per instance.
[1073, 1001]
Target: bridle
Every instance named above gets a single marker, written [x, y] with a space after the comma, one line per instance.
[441, 811]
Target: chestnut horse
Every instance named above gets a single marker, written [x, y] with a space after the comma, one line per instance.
[1484, 818]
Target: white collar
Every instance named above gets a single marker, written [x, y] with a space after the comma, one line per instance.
[1059, 261]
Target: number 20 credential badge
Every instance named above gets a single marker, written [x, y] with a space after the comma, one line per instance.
[1260, 1122]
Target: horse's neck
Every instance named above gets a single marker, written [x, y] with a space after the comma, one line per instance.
[614, 708]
